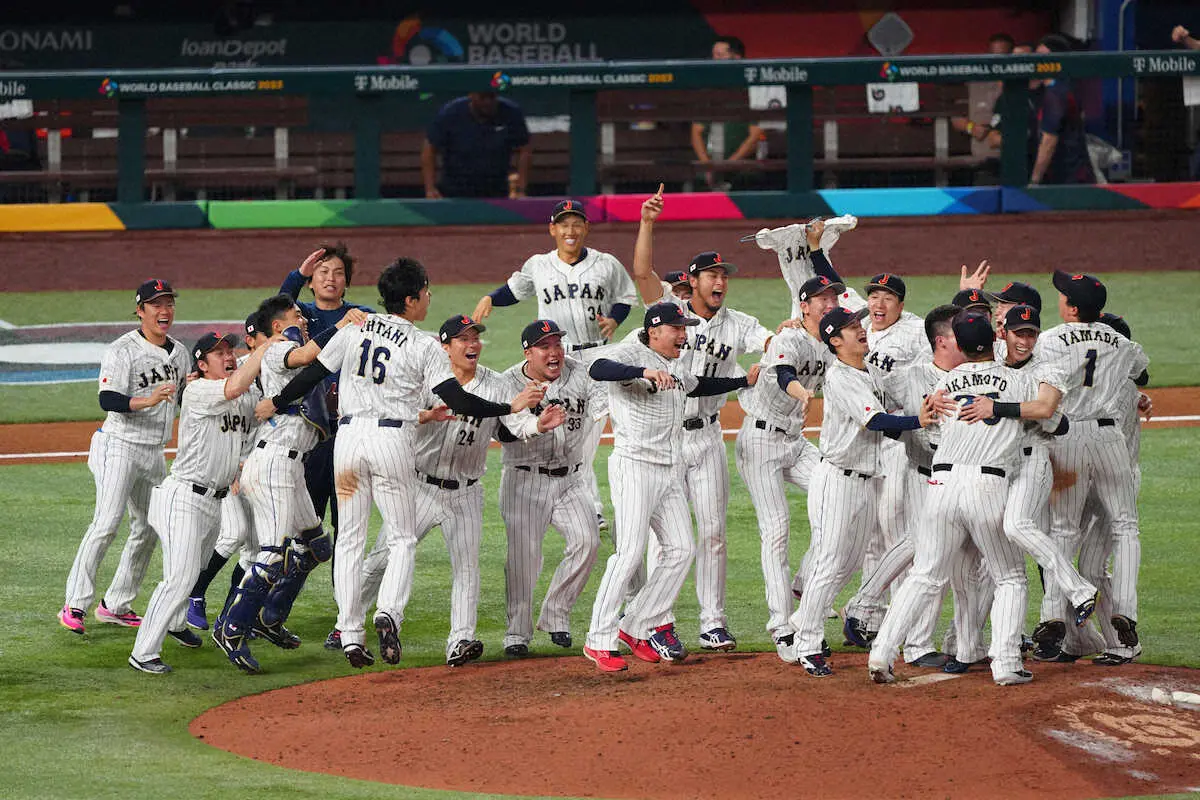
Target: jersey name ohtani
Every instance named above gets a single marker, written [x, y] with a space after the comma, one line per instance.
[169, 372]
[386, 331]
[572, 291]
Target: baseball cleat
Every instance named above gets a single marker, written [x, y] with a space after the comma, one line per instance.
[127, 619]
[561, 638]
[462, 652]
[1017, 678]
[956, 667]
[933, 660]
[1085, 610]
[277, 635]
[717, 639]
[72, 619]
[1114, 660]
[334, 640]
[516, 650]
[667, 644]
[815, 665]
[640, 648]
[197, 614]
[601, 522]
[233, 642]
[1126, 630]
[359, 656]
[826, 650]
[856, 633]
[154, 666]
[185, 637]
[1059, 657]
[606, 660]
[389, 638]
[785, 647]
[1050, 633]
[881, 673]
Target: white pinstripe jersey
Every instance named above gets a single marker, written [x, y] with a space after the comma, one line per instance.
[573, 295]
[286, 430]
[993, 442]
[133, 366]
[212, 432]
[908, 387]
[851, 399]
[898, 345]
[796, 348]
[647, 423]
[795, 262]
[457, 449]
[578, 394]
[1097, 361]
[384, 366]
[712, 350]
[1038, 432]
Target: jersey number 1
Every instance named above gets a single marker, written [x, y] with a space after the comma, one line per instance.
[378, 362]
[1089, 367]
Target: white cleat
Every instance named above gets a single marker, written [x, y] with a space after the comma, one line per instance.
[785, 646]
[881, 673]
[1015, 678]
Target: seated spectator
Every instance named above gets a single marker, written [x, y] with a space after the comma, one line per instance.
[726, 141]
[476, 136]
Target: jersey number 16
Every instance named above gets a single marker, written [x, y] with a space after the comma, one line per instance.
[378, 362]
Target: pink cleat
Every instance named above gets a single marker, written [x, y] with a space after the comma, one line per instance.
[129, 619]
[71, 619]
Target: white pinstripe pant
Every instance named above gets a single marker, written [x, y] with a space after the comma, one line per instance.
[373, 464]
[124, 475]
[646, 497]
[767, 461]
[962, 506]
[530, 503]
[841, 512]
[187, 524]
[1094, 553]
[279, 499]
[706, 484]
[237, 530]
[459, 513]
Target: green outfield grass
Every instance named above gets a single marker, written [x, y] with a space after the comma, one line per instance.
[1160, 308]
[77, 722]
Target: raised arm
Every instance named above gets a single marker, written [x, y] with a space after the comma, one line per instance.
[647, 282]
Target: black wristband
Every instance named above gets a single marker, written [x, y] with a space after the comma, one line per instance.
[1012, 410]
[275, 402]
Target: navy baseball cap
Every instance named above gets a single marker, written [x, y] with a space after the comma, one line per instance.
[676, 277]
[1020, 293]
[667, 314]
[817, 284]
[973, 298]
[564, 207]
[888, 281]
[252, 324]
[709, 259]
[209, 342]
[1023, 317]
[151, 289]
[537, 330]
[974, 332]
[1117, 323]
[838, 318]
[1082, 291]
[456, 325]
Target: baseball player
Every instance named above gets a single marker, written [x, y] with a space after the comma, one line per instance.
[965, 506]
[451, 457]
[384, 364]
[647, 406]
[1097, 362]
[587, 292]
[843, 495]
[771, 449]
[543, 484]
[793, 245]
[291, 541]
[216, 417]
[235, 530]
[139, 377]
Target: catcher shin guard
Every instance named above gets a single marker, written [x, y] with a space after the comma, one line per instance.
[298, 561]
[247, 599]
[319, 542]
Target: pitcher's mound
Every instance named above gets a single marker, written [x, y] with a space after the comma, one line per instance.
[736, 725]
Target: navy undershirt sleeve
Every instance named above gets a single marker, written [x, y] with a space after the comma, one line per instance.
[605, 369]
[115, 401]
[503, 297]
[822, 267]
[471, 405]
[893, 423]
[619, 312]
[710, 386]
[784, 375]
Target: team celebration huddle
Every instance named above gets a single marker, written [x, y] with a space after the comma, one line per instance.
[950, 448]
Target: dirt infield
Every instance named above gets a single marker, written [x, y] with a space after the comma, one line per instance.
[211, 259]
[74, 437]
[736, 725]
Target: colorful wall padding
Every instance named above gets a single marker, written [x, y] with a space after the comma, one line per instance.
[268, 214]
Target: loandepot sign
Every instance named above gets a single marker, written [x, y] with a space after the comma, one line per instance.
[71, 352]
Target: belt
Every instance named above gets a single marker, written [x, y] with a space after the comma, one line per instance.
[218, 494]
[1028, 451]
[292, 454]
[585, 346]
[925, 471]
[849, 472]
[383, 423]
[763, 425]
[553, 472]
[999, 473]
[445, 483]
[1105, 422]
[290, 411]
[696, 423]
